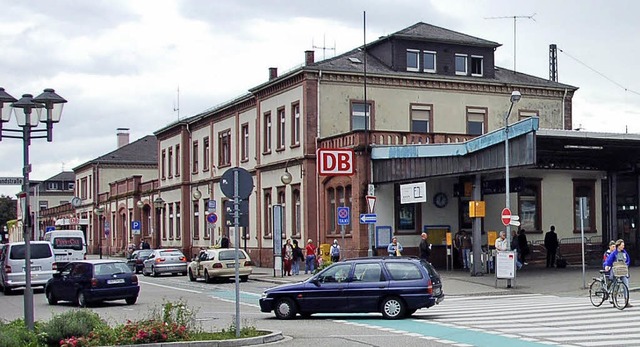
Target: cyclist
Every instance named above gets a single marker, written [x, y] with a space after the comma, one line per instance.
[618, 254]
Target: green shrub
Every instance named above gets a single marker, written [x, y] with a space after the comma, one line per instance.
[69, 324]
[16, 334]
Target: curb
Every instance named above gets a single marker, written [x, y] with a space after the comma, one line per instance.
[273, 336]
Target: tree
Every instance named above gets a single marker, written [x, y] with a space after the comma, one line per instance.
[8, 209]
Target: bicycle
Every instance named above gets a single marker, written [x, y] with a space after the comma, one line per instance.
[602, 289]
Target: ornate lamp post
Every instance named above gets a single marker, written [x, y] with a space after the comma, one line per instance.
[28, 121]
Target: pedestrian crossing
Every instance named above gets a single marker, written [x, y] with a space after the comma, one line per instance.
[517, 321]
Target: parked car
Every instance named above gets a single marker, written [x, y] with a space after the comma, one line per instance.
[87, 281]
[67, 245]
[169, 260]
[220, 263]
[395, 287]
[136, 262]
[12, 265]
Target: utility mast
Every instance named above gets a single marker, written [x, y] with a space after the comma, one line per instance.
[176, 107]
[515, 18]
[324, 47]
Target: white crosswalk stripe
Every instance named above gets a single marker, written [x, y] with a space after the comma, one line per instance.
[552, 320]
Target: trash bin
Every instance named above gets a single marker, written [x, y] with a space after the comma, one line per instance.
[325, 248]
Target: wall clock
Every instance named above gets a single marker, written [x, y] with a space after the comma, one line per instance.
[440, 200]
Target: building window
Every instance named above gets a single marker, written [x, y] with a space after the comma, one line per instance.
[529, 207]
[360, 120]
[429, 59]
[461, 64]
[296, 212]
[584, 189]
[71, 185]
[413, 56]
[282, 201]
[52, 186]
[44, 204]
[407, 216]
[170, 222]
[280, 128]
[178, 225]
[194, 154]
[476, 120]
[331, 210]
[268, 213]
[524, 114]
[421, 118]
[267, 133]
[170, 173]
[295, 125]
[205, 154]
[224, 148]
[162, 164]
[83, 188]
[476, 65]
[244, 154]
[196, 220]
[177, 160]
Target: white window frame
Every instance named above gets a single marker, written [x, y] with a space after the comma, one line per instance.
[417, 53]
[424, 65]
[466, 64]
[481, 65]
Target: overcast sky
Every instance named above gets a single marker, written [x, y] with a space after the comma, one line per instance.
[119, 63]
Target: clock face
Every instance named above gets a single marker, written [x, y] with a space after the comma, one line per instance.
[440, 200]
[75, 202]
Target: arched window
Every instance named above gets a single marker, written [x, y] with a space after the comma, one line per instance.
[296, 213]
[268, 226]
[331, 210]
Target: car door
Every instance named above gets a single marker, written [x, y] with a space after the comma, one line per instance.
[326, 292]
[366, 287]
[63, 286]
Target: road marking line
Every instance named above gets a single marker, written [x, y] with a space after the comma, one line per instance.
[175, 288]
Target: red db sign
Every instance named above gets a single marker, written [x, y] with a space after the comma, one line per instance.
[335, 162]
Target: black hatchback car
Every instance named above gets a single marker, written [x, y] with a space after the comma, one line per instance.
[395, 287]
[136, 261]
[86, 281]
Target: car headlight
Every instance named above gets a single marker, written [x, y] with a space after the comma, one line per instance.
[264, 295]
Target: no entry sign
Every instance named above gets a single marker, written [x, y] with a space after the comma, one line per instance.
[506, 216]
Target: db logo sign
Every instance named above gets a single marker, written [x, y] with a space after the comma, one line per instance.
[335, 162]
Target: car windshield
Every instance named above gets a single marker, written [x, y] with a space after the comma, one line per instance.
[230, 255]
[145, 253]
[111, 268]
[70, 242]
[38, 251]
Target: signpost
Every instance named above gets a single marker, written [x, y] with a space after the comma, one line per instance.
[135, 227]
[505, 216]
[11, 181]
[368, 218]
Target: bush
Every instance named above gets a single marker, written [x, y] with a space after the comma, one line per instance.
[16, 334]
[74, 323]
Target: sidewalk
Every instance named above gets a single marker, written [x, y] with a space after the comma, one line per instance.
[529, 280]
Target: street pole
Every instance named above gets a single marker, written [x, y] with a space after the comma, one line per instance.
[28, 292]
[515, 97]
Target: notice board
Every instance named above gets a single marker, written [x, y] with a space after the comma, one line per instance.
[506, 265]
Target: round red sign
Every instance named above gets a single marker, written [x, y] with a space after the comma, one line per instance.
[506, 216]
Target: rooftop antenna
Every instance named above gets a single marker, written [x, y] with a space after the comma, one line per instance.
[515, 18]
[324, 46]
[62, 167]
[176, 107]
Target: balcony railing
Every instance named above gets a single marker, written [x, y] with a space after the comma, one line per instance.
[357, 139]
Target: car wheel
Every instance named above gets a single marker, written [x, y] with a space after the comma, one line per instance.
[131, 301]
[285, 308]
[81, 300]
[153, 272]
[51, 298]
[144, 273]
[244, 278]
[392, 308]
[207, 279]
[192, 278]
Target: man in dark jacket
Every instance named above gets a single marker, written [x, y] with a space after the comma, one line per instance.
[551, 245]
[425, 247]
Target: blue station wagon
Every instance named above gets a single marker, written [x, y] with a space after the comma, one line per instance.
[395, 287]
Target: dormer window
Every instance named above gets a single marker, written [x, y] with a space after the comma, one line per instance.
[461, 64]
[476, 65]
[429, 59]
[413, 58]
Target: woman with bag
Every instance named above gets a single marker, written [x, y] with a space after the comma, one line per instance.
[619, 257]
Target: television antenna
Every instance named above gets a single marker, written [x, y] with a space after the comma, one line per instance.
[515, 19]
[176, 107]
[324, 47]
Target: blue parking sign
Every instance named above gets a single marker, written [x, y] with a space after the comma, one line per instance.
[344, 217]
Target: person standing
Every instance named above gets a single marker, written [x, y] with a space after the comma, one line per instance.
[395, 248]
[287, 256]
[335, 251]
[523, 246]
[297, 258]
[224, 242]
[465, 246]
[310, 260]
[551, 245]
[425, 247]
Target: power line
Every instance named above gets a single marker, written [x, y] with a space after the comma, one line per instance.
[599, 73]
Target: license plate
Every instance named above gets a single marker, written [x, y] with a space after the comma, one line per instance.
[33, 268]
[116, 281]
[231, 265]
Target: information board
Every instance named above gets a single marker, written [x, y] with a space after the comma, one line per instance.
[506, 265]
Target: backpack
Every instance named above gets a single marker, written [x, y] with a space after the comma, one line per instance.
[335, 250]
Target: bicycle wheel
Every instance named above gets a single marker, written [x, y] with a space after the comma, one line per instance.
[597, 293]
[620, 295]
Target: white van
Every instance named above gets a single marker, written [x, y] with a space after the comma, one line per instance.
[68, 245]
[12, 273]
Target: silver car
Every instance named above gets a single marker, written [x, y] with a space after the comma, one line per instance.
[12, 265]
[168, 260]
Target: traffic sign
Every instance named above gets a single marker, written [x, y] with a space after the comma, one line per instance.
[211, 206]
[344, 217]
[228, 182]
[11, 181]
[371, 203]
[212, 218]
[369, 218]
[505, 216]
[49, 228]
[135, 227]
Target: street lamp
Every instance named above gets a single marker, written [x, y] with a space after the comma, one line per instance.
[53, 103]
[99, 212]
[158, 203]
[515, 97]
[286, 177]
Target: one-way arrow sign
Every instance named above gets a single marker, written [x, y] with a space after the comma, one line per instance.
[369, 218]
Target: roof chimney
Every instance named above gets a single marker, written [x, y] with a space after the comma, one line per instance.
[273, 73]
[308, 58]
[123, 137]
